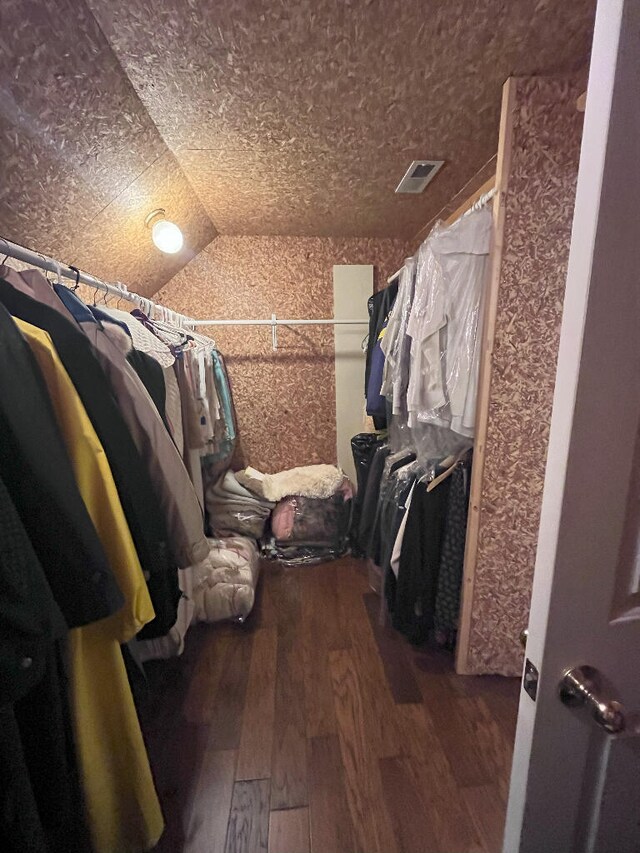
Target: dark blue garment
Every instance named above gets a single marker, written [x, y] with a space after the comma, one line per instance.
[376, 403]
[73, 304]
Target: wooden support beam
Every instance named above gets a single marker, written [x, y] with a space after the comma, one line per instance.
[469, 202]
[503, 167]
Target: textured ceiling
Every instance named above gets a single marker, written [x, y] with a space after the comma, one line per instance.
[82, 162]
[301, 118]
[251, 117]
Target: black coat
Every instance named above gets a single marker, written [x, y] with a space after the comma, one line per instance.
[40, 808]
[419, 567]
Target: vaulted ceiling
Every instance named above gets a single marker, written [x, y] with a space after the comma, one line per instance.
[251, 116]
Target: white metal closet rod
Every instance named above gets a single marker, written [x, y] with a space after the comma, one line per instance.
[43, 262]
[280, 322]
[274, 322]
[36, 259]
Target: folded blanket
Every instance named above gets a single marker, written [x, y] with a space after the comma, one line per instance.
[228, 489]
[312, 481]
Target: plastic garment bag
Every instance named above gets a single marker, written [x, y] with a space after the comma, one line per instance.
[425, 390]
[445, 323]
[396, 344]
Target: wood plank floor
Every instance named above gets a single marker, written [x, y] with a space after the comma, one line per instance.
[312, 729]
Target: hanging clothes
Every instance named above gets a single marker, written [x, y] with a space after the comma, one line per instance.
[166, 468]
[447, 606]
[376, 402]
[151, 375]
[394, 500]
[104, 501]
[40, 802]
[35, 468]
[390, 491]
[122, 806]
[144, 340]
[363, 448]
[417, 582]
[425, 388]
[379, 305]
[397, 545]
[396, 344]
[135, 489]
[370, 500]
[444, 324]
[173, 408]
[225, 436]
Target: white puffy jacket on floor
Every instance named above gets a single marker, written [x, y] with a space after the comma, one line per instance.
[222, 586]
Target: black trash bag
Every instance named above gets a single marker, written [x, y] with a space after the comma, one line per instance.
[363, 447]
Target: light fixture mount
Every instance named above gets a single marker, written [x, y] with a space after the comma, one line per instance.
[157, 214]
[166, 235]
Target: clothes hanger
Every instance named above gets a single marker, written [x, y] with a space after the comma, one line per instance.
[44, 268]
[58, 267]
[77, 272]
[121, 290]
[96, 301]
[441, 477]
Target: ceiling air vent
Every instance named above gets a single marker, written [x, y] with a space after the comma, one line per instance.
[418, 175]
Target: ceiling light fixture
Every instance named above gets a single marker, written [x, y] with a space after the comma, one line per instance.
[165, 234]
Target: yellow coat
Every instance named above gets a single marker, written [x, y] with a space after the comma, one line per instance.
[123, 811]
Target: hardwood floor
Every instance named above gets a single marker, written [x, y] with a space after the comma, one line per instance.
[312, 729]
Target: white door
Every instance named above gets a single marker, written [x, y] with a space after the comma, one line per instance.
[576, 787]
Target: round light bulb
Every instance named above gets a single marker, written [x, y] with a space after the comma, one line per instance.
[167, 236]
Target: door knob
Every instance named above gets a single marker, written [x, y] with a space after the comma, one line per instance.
[524, 636]
[581, 687]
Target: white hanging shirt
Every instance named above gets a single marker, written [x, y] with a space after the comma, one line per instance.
[454, 274]
[395, 344]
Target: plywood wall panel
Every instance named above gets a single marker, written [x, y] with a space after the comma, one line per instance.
[285, 400]
[538, 208]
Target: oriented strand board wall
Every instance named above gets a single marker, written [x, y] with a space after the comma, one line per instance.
[285, 400]
[538, 208]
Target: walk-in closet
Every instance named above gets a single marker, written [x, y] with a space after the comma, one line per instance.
[296, 308]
